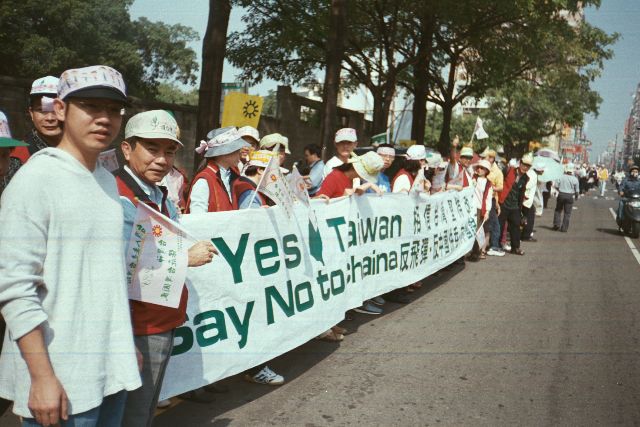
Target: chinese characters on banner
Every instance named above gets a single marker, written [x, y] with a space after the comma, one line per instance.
[157, 259]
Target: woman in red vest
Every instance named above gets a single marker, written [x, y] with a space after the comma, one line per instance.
[212, 189]
[416, 159]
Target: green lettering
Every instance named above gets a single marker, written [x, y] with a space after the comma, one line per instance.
[233, 259]
[291, 250]
[218, 325]
[335, 223]
[271, 293]
[242, 327]
[261, 256]
[302, 306]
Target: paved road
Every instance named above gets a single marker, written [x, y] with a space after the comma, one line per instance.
[547, 339]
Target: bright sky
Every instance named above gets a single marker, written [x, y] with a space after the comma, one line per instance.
[621, 74]
[616, 86]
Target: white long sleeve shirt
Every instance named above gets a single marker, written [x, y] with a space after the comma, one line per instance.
[62, 267]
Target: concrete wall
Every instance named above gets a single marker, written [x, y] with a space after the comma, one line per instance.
[297, 118]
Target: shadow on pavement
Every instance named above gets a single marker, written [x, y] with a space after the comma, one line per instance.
[291, 365]
[613, 231]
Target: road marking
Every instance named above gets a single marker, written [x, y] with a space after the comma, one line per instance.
[633, 248]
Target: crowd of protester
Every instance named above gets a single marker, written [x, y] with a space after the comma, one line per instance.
[77, 349]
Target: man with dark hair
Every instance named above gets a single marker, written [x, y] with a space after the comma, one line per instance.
[149, 149]
[312, 155]
[69, 351]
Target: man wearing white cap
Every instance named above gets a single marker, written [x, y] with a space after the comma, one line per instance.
[149, 149]
[415, 159]
[269, 142]
[531, 194]
[388, 154]
[345, 141]
[460, 172]
[69, 352]
[512, 200]
[568, 188]
[212, 189]
[252, 136]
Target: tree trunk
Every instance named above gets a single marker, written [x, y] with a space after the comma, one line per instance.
[445, 137]
[335, 53]
[214, 47]
[420, 76]
[382, 99]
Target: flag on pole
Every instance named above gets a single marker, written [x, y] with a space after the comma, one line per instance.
[298, 186]
[418, 182]
[274, 185]
[156, 259]
[479, 131]
[480, 236]
[241, 110]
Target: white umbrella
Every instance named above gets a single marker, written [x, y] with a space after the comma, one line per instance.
[553, 170]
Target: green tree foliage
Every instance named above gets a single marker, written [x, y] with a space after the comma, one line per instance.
[173, 94]
[46, 38]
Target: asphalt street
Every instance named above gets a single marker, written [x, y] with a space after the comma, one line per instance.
[545, 339]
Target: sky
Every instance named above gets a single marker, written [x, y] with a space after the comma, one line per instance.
[616, 86]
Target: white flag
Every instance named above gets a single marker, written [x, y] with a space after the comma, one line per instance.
[479, 131]
[274, 185]
[480, 236]
[418, 182]
[298, 186]
[157, 258]
[109, 160]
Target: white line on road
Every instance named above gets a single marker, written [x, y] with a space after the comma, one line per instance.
[634, 251]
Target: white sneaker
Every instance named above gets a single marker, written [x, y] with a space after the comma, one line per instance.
[494, 252]
[506, 247]
[163, 403]
[265, 376]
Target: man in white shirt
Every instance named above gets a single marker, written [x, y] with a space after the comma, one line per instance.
[346, 141]
[69, 352]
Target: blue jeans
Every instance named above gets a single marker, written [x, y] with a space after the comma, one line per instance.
[108, 414]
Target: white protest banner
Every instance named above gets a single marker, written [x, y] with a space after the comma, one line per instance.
[109, 160]
[280, 282]
[156, 259]
[274, 185]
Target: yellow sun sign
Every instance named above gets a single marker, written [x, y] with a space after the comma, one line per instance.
[241, 110]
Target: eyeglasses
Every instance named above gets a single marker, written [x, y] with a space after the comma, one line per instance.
[97, 108]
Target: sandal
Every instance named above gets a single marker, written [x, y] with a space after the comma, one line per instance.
[339, 330]
[330, 336]
[483, 255]
[416, 285]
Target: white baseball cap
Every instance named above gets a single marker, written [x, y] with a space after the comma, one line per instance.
[416, 152]
[47, 85]
[96, 81]
[154, 124]
[249, 131]
[346, 134]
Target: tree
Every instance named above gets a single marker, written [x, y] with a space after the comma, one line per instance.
[335, 53]
[213, 53]
[171, 93]
[286, 40]
[38, 40]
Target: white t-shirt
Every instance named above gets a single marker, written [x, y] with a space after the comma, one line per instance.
[332, 163]
[62, 267]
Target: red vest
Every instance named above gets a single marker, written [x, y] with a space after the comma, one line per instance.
[509, 180]
[243, 184]
[399, 174]
[21, 153]
[465, 176]
[218, 196]
[147, 318]
[483, 203]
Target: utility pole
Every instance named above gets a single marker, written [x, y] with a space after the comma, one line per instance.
[615, 152]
